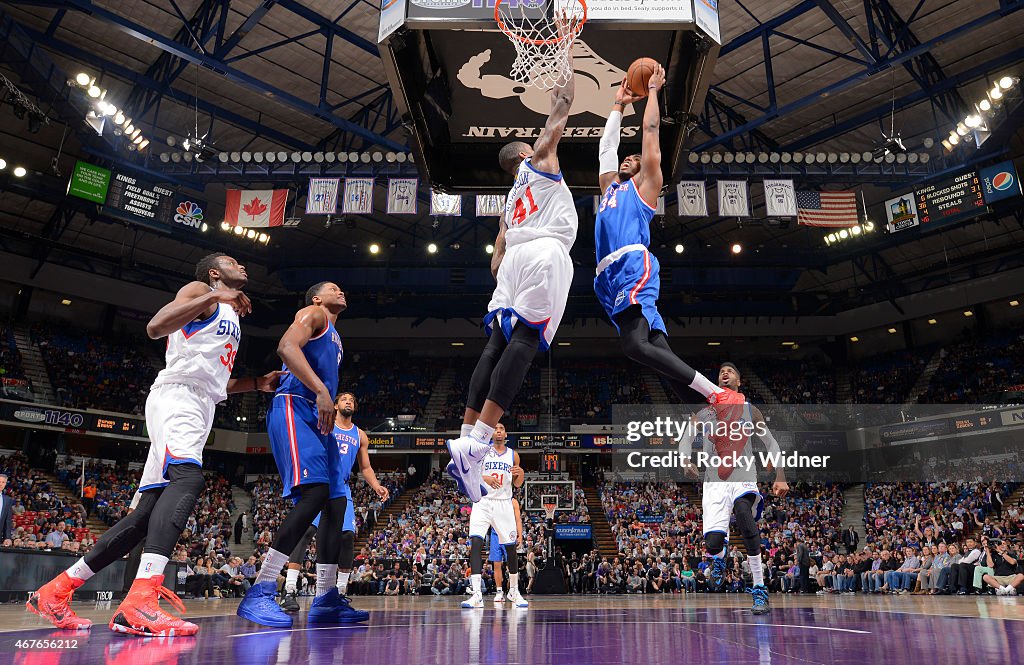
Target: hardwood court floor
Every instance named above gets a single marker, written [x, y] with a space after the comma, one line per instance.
[584, 630]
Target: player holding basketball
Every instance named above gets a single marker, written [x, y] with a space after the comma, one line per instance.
[532, 266]
[496, 555]
[352, 445]
[201, 327]
[501, 471]
[627, 282]
[733, 490]
[299, 423]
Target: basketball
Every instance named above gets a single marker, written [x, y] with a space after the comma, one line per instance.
[639, 75]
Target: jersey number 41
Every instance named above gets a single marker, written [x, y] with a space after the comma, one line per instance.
[521, 211]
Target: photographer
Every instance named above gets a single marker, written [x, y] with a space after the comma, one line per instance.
[1006, 578]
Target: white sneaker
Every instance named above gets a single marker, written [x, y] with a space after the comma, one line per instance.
[1011, 590]
[499, 597]
[516, 599]
[466, 466]
[476, 600]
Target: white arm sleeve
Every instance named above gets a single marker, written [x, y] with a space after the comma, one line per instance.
[608, 156]
[768, 439]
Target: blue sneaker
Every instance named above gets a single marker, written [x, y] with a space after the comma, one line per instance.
[466, 466]
[333, 608]
[717, 571]
[260, 607]
[760, 594]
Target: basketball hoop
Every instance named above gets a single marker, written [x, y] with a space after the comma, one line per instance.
[549, 510]
[542, 41]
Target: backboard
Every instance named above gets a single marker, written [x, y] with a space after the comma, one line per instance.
[448, 67]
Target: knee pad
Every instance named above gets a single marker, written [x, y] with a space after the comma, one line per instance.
[511, 559]
[714, 542]
[187, 483]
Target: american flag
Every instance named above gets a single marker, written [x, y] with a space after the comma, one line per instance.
[832, 209]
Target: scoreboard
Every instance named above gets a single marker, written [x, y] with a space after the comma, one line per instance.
[952, 199]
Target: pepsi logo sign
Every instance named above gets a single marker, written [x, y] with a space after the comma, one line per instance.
[1002, 181]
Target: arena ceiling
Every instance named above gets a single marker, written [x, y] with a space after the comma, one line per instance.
[290, 75]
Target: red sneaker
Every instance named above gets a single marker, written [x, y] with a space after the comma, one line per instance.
[51, 603]
[728, 406]
[140, 613]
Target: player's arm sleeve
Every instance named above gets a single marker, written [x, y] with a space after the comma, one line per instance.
[686, 440]
[608, 153]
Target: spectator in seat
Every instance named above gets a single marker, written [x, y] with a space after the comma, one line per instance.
[55, 539]
[945, 583]
[6, 511]
[964, 581]
[1003, 562]
[235, 580]
[392, 587]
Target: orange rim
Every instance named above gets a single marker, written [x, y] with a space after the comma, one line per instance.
[538, 42]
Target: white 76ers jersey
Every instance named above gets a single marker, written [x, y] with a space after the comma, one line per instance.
[500, 467]
[539, 205]
[202, 354]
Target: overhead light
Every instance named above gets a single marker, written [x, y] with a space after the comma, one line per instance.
[932, 322]
[954, 139]
[144, 144]
[1014, 303]
[985, 105]
[737, 248]
[855, 339]
[83, 79]
[788, 343]
[432, 248]
[844, 234]
[995, 93]
[973, 120]
[961, 129]
[94, 91]
[968, 313]
[65, 302]
[224, 226]
[679, 248]
[264, 238]
[947, 145]
[138, 140]
[892, 331]
[250, 234]
[1006, 83]
[855, 230]
[564, 343]
[19, 171]
[374, 248]
[489, 249]
[239, 230]
[458, 344]
[3, 164]
[714, 344]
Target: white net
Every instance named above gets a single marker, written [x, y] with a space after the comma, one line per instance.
[542, 32]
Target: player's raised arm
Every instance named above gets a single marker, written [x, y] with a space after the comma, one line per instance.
[309, 321]
[366, 468]
[608, 152]
[651, 179]
[545, 150]
[499, 248]
[193, 300]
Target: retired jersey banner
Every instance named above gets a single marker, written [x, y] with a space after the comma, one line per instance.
[732, 198]
[780, 198]
[445, 204]
[490, 205]
[402, 196]
[901, 213]
[693, 200]
[660, 210]
[358, 196]
[323, 196]
[255, 208]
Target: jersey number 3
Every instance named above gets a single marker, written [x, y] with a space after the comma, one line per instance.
[228, 359]
[521, 212]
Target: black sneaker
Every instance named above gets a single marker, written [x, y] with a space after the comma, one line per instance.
[290, 602]
[760, 606]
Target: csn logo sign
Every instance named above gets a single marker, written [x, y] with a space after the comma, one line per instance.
[190, 214]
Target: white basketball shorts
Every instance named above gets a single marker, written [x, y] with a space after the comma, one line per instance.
[497, 514]
[718, 501]
[179, 419]
[533, 286]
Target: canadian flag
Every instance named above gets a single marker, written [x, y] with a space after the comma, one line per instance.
[255, 207]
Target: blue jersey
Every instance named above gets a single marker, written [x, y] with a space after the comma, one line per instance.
[324, 354]
[623, 218]
[348, 451]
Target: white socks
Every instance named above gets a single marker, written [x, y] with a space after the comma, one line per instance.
[513, 583]
[756, 569]
[467, 430]
[703, 385]
[475, 584]
[325, 574]
[482, 432]
[80, 570]
[291, 580]
[343, 582]
[151, 565]
[273, 562]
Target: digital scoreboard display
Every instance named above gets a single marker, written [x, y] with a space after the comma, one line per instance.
[956, 198]
[138, 200]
